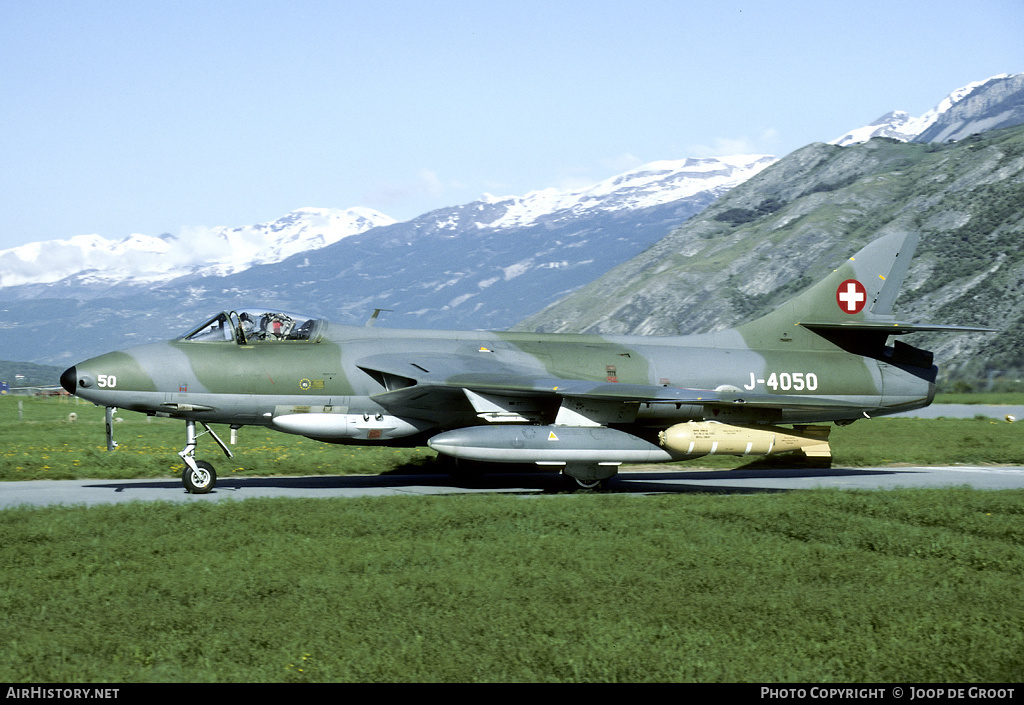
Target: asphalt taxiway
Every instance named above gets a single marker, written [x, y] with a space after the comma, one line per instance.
[742, 480]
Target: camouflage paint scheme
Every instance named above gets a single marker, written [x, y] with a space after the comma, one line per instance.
[580, 403]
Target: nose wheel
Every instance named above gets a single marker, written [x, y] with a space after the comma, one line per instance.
[200, 480]
[199, 477]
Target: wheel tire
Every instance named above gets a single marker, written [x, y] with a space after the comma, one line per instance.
[199, 482]
[593, 486]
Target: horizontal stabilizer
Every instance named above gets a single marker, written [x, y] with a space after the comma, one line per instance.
[893, 328]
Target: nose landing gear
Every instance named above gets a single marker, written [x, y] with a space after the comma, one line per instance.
[199, 477]
[200, 480]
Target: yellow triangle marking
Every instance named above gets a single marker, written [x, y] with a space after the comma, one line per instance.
[552, 436]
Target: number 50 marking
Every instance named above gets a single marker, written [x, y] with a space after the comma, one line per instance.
[109, 381]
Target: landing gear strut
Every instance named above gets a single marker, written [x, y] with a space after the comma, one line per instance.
[199, 477]
[109, 422]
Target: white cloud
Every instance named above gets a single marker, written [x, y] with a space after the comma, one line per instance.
[623, 162]
[580, 177]
[765, 143]
[389, 194]
[146, 258]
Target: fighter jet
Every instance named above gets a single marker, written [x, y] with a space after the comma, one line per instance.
[579, 404]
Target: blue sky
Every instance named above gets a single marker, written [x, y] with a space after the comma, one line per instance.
[151, 116]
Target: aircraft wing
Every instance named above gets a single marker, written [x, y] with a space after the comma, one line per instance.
[423, 383]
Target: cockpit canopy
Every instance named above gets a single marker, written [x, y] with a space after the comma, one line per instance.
[257, 325]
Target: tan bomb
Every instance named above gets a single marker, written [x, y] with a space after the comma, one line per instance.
[696, 438]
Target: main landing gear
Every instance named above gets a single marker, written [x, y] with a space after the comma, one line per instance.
[591, 476]
[199, 477]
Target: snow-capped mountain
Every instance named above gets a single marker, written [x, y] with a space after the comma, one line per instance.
[977, 107]
[144, 259]
[653, 184]
[897, 125]
[221, 251]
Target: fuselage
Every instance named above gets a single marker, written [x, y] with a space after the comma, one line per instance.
[346, 370]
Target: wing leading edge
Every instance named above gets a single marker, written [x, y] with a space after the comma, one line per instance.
[429, 393]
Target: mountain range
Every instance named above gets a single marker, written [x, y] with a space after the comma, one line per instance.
[485, 264]
[497, 261]
[91, 260]
[977, 107]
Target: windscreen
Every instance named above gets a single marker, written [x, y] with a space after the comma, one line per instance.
[217, 329]
[257, 325]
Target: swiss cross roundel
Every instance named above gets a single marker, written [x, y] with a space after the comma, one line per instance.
[851, 296]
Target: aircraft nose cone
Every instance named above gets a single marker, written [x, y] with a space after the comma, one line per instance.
[69, 380]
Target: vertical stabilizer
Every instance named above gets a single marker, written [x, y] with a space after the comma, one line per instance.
[861, 290]
[883, 302]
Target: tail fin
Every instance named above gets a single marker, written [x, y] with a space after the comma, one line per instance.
[899, 265]
[857, 297]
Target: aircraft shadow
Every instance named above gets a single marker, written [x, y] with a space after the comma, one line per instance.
[638, 482]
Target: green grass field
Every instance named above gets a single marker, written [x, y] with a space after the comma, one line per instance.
[818, 586]
[808, 586]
